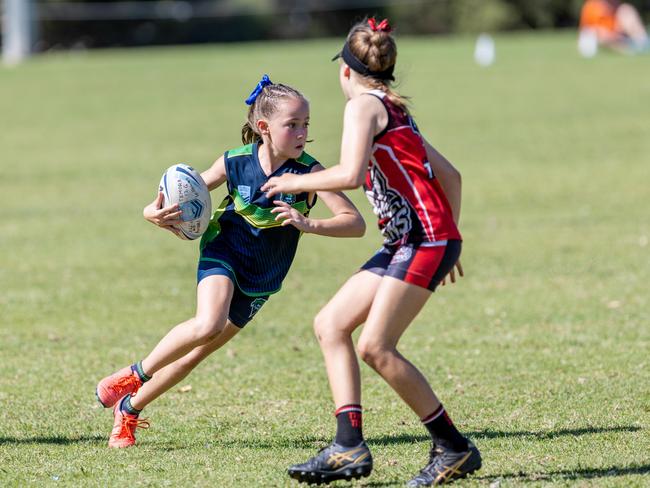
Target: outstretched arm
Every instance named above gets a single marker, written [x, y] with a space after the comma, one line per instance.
[359, 127]
[346, 221]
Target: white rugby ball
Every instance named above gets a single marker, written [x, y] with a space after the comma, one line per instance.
[182, 184]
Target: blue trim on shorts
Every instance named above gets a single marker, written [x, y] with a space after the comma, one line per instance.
[223, 270]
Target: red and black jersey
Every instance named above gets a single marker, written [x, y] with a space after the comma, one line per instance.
[405, 194]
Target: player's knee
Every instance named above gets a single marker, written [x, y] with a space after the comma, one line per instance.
[328, 329]
[322, 326]
[207, 329]
[372, 353]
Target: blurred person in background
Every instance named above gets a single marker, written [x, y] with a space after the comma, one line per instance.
[615, 25]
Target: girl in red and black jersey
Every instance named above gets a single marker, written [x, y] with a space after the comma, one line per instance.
[415, 193]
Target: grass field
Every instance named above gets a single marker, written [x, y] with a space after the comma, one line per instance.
[541, 353]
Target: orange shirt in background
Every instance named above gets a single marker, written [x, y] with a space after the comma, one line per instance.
[598, 14]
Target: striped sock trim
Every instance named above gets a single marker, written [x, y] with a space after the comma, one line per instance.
[433, 416]
[348, 408]
[137, 369]
[126, 406]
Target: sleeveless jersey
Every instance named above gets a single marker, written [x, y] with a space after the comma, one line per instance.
[405, 194]
[243, 234]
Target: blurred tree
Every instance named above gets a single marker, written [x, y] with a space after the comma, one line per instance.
[235, 20]
[419, 18]
[483, 15]
[544, 14]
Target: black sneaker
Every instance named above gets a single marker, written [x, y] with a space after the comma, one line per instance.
[334, 462]
[446, 465]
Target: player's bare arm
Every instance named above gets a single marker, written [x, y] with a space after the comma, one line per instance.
[215, 175]
[358, 132]
[448, 176]
[346, 220]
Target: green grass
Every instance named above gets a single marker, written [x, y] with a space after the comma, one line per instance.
[540, 353]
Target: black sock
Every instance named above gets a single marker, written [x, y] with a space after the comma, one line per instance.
[348, 425]
[125, 406]
[443, 431]
[137, 369]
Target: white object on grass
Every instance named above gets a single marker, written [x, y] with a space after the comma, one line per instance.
[485, 50]
[587, 43]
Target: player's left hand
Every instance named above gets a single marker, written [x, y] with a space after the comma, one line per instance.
[287, 183]
[452, 273]
[290, 216]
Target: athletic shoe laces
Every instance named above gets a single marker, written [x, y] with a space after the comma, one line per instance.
[125, 385]
[129, 424]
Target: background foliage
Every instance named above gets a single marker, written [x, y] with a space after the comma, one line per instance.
[289, 19]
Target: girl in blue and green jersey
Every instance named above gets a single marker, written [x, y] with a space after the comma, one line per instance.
[245, 253]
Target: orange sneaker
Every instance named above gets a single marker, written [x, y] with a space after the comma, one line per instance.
[113, 387]
[124, 425]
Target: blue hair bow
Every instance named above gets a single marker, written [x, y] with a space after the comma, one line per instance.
[265, 81]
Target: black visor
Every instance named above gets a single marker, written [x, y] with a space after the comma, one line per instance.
[355, 63]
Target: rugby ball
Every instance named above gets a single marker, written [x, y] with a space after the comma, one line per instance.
[182, 184]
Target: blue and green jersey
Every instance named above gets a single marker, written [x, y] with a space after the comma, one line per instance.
[243, 234]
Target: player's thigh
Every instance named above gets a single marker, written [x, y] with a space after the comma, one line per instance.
[213, 297]
[395, 305]
[349, 307]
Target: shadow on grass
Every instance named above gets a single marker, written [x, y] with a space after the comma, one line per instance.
[382, 483]
[312, 442]
[571, 474]
[503, 434]
[550, 434]
[54, 440]
[386, 440]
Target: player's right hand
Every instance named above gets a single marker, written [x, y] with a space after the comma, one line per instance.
[452, 273]
[165, 217]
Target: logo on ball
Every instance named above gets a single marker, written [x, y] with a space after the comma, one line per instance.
[192, 210]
